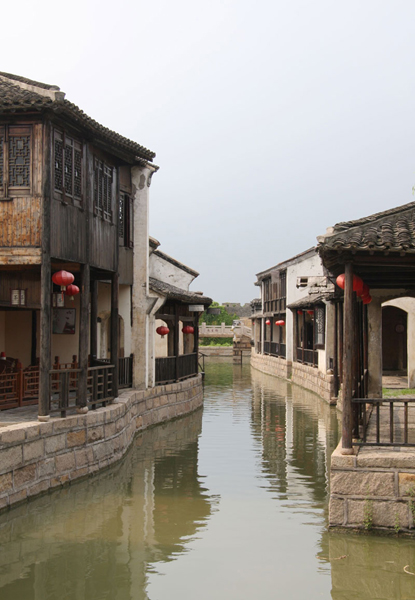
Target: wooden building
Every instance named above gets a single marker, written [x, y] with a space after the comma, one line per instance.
[73, 197]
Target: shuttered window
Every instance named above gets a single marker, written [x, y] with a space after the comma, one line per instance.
[67, 168]
[103, 190]
[125, 220]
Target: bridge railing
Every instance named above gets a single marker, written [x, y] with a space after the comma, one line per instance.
[221, 330]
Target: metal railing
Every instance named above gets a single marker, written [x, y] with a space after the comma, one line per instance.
[385, 422]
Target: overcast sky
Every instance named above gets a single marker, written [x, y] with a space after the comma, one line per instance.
[271, 120]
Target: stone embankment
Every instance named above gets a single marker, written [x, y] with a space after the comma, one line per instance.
[38, 457]
[306, 376]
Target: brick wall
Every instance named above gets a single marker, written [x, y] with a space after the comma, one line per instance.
[37, 457]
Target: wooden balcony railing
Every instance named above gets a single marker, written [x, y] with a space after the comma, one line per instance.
[307, 357]
[170, 369]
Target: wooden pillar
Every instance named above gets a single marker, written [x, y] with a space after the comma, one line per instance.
[336, 349]
[114, 331]
[176, 340]
[33, 357]
[196, 334]
[83, 338]
[348, 336]
[94, 320]
[45, 282]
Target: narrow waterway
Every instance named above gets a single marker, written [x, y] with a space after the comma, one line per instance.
[227, 503]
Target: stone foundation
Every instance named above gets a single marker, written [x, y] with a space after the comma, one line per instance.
[307, 377]
[375, 488]
[38, 457]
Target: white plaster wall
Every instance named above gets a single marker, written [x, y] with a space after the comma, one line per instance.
[161, 343]
[66, 345]
[165, 271]
[310, 266]
[408, 305]
[124, 310]
[18, 335]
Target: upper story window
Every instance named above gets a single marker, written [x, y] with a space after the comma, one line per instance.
[15, 160]
[125, 220]
[275, 292]
[103, 190]
[67, 171]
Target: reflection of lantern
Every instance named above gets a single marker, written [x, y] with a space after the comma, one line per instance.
[163, 330]
[280, 323]
[72, 290]
[63, 278]
[188, 329]
[267, 322]
[367, 299]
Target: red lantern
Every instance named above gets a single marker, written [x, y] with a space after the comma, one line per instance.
[299, 312]
[367, 299]
[267, 322]
[72, 290]
[163, 330]
[365, 291]
[63, 278]
[280, 323]
[188, 329]
[310, 312]
[358, 285]
[340, 281]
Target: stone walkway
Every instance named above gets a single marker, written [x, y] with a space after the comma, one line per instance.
[25, 414]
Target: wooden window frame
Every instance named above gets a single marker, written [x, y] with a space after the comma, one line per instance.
[6, 132]
[59, 189]
[126, 220]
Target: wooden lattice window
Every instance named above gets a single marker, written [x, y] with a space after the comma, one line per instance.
[125, 220]
[103, 190]
[67, 171]
[15, 159]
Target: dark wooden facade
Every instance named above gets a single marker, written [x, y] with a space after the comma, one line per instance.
[65, 203]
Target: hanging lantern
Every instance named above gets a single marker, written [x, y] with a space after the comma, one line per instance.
[340, 281]
[367, 299]
[358, 285]
[310, 312]
[280, 323]
[63, 278]
[72, 290]
[365, 291]
[163, 330]
[267, 322]
[188, 329]
[299, 312]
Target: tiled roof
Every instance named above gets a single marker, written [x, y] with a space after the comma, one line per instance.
[310, 300]
[18, 94]
[391, 230]
[174, 293]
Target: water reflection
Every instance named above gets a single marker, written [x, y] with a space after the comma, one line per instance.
[98, 539]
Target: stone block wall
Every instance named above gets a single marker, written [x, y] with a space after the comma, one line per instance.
[271, 365]
[375, 488]
[314, 380]
[37, 457]
[307, 377]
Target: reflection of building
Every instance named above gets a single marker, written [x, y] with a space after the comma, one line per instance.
[102, 539]
[298, 436]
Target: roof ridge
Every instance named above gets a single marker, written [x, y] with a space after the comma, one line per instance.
[20, 79]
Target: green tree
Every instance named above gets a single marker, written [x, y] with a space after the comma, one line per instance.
[223, 317]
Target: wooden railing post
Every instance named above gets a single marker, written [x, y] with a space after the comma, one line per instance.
[347, 362]
[19, 382]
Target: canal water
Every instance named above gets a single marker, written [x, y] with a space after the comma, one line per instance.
[227, 503]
